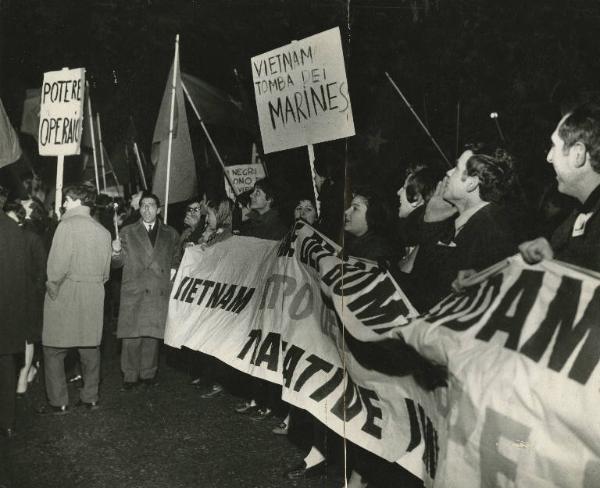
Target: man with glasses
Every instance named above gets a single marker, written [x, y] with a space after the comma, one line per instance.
[146, 250]
[195, 222]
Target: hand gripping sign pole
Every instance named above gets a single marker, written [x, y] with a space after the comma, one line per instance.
[311, 162]
[171, 123]
[210, 140]
[418, 119]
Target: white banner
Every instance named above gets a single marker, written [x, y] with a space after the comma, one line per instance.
[522, 348]
[302, 93]
[61, 112]
[259, 307]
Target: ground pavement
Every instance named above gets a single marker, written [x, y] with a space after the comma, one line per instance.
[165, 436]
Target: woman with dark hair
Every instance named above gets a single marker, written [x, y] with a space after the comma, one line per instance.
[366, 222]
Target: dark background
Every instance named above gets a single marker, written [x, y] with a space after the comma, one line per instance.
[526, 60]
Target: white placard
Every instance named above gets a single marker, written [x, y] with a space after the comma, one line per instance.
[243, 177]
[61, 112]
[302, 93]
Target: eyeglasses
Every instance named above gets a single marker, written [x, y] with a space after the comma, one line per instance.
[193, 209]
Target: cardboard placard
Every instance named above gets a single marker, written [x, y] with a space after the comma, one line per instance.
[302, 93]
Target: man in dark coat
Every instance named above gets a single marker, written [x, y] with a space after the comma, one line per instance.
[480, 236]
[147, 251]
[575, 156]
[13, 307]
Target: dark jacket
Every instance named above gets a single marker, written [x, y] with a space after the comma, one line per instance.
[582, 250]
[264, 226]
[13, 287]
[485, 239]
[36, 284]
[146, 279]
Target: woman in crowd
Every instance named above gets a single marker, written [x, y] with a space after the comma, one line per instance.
[219, 214]
[367, 222]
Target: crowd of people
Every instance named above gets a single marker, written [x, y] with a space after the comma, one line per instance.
[448, 226]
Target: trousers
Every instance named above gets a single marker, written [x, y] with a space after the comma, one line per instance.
[56, 380]
[139, 358]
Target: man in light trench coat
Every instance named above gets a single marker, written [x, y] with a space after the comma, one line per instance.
[147, 250]
[78, 267]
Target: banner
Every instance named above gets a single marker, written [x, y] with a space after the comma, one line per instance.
[243, 177]
[522, 348]
[61, 112]
[264, 313]
[302, 94]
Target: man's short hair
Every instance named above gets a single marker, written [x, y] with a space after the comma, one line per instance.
[267, 186]
[85, 193]
[495, 173]
[583, 125]
[149, 194]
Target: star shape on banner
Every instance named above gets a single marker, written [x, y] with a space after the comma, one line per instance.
[375, 141]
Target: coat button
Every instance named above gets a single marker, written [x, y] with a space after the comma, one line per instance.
[147, 291]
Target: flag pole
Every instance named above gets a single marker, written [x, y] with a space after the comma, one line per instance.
[139, 164]
[112, 170]
[171, 123]
[211, 142]
[101, 152]
[418, 118]
[91, 122]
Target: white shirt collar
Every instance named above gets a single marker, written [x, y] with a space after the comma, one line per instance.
[150, 225]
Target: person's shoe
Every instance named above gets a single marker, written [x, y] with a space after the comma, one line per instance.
[52, 410]
[213, 392]
[129, 385]
[281, 429]
[89, 405]
[262, 414]
[302, 472]
[246, 408]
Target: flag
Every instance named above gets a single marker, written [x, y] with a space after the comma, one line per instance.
[30, 120]
[183, 182]
[10, 149]
[215, 106]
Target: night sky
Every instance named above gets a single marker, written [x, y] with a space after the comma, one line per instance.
[525, 60]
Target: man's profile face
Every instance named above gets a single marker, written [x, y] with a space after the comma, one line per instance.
[562, 161]
[148, 210]
[455, 184]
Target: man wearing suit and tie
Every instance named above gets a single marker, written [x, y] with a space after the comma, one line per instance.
[147, 251]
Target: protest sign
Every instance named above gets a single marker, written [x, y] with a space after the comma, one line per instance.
[243, 177]
[263, 313]
[302, 93]
[61, 112]
[522, 349]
